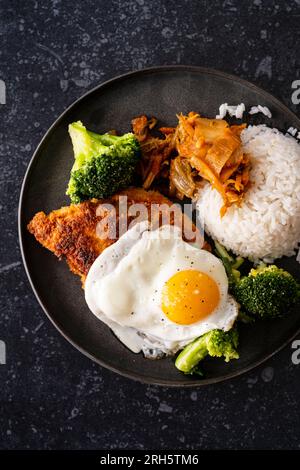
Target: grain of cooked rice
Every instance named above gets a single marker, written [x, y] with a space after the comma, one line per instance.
[293, 131]
[267, 224]
[261, 109]
[233, 111]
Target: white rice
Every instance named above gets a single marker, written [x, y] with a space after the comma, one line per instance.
[293, 131]
[267, 224]
[236, 111]
[261, 109]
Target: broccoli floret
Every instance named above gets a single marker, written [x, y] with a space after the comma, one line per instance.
[103, 164]
[267, 292]
[215, 343]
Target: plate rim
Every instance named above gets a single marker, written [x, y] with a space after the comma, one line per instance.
[191, 383]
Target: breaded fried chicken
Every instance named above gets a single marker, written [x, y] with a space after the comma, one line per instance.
[81, 232]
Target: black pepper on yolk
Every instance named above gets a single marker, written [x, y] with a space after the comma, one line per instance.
[189, 296]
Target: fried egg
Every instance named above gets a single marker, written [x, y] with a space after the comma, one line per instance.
[157, 292]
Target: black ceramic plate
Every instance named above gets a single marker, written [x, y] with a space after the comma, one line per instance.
[160, 92]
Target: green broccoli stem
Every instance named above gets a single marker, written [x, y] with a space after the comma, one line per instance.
[215, 343]
[245, 318]
[86, 144]
[105, 139]
[191, 355]
[238, 262]
[222, 252]
[231, 264]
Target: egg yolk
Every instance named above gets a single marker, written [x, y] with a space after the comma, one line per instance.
[189, 296]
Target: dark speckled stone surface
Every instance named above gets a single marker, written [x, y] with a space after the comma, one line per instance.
[52, 397]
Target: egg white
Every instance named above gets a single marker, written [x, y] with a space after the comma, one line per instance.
[123, 289]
